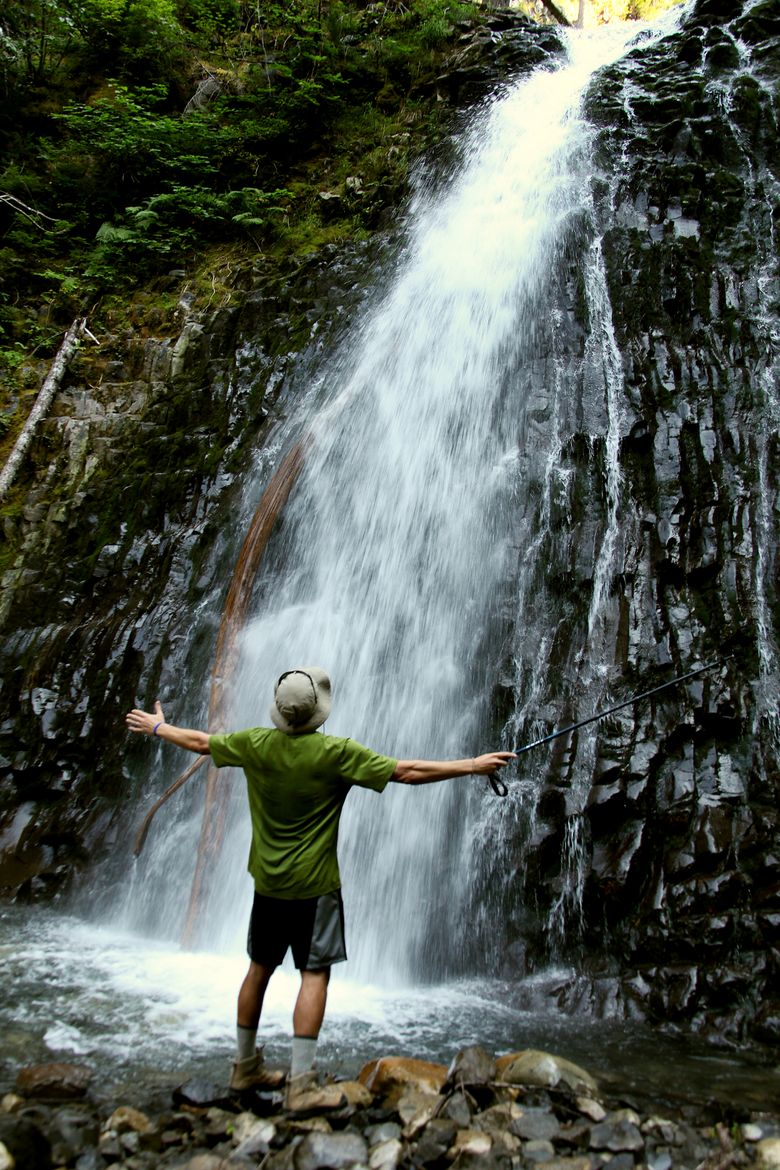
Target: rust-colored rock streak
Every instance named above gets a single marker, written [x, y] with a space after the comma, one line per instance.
[239, 595]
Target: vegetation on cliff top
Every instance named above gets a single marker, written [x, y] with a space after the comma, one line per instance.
[140, 134]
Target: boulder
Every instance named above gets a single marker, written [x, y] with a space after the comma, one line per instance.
[390, 1076]
[471, 1066]
[533, 1067]
[56, 1081]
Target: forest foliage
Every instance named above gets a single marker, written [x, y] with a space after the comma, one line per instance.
[135, 134]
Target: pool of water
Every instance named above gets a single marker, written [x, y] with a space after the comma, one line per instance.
[137, 1010]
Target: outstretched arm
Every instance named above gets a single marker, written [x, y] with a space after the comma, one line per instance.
[153, 723]
[428, 771]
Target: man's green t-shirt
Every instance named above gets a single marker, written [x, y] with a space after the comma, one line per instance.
[297, 785]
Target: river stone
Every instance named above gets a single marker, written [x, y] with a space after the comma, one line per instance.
[538, 1150]
[331, 1151]
[768, 1152]
[590, 1108]
[304, 1125]
[532, 1067]
[536, 1124]
[458, 1109]
[416, 1109]
[203, 1162]
[579, 1162]
[389, 1076]
[666, 1130]
[435, 1140]
[254, 1140]
[386, 1155]
[357, 1095]
[246, 1124]
[471, 1066]
[90, 1160]
[11, 1103]
[7, 1160]
[498, 1118]
[617, 1136]
[376, 1134]
[72, 1134]
[126, 1118]
[56, 1081]
[659, 1160]
[470, 1141]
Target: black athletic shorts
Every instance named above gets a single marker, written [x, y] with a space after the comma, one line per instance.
[313, 927]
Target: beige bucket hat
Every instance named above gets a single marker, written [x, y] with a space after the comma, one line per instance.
[302, 700]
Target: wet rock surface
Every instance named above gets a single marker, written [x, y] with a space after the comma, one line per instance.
[487, 1123]
[648, 844]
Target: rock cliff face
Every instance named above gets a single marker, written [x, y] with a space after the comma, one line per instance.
[648, 850]
[652, 849]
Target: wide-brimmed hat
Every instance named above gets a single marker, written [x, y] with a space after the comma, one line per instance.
[302, 700]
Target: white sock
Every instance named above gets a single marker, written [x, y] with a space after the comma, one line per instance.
[304, 1049]
[246, 1040]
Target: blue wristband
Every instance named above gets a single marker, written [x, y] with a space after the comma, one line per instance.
[157, 725]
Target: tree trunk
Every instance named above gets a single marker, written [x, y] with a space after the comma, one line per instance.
[42, 403]
[556, 13]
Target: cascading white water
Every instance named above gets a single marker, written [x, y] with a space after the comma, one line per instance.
[398, 540]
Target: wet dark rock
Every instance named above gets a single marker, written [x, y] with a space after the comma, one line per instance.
[26, 1143]
[537, 1151]
[618, 1135]
[55, 1081]
[90, 1160]
[458, 1107]
[436, 1138]
[471, 1066]
[767, 1022]
[536, 1125]
[385, 1131]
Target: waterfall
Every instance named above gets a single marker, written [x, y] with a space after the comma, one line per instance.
[412, 547]
[392, 569]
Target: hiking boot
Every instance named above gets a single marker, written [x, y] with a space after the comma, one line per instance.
[251, 1073]
[304, 1094]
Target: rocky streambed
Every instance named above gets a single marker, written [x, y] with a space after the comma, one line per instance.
[522, 1110]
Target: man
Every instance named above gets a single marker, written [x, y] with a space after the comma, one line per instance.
[297, 782]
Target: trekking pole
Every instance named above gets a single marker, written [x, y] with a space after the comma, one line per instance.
[501, 789]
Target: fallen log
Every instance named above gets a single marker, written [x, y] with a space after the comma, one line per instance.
[556, 13]
[43, 403]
